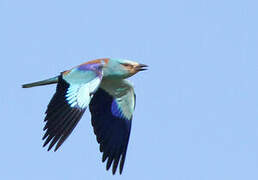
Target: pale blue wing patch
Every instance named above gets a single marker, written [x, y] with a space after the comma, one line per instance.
[81, 94]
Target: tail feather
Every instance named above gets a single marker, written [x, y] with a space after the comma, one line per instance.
[41, 83]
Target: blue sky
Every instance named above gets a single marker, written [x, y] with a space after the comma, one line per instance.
[197, 106]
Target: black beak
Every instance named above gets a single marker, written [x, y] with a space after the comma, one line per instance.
[141, 67]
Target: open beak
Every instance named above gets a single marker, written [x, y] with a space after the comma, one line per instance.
[141, 67]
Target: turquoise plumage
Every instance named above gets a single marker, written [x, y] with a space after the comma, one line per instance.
[100, 85]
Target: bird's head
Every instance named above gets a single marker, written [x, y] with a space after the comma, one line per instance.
[122, 68]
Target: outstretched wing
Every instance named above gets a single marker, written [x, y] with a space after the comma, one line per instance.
[74, 91]
[111, 109]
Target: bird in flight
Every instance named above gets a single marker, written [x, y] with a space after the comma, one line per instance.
[100, 84]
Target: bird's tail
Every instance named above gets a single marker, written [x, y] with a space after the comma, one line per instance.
[41, 83]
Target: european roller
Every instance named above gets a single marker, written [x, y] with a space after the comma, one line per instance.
[100, 85]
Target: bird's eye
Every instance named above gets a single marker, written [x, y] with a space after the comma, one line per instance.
[127, 65]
